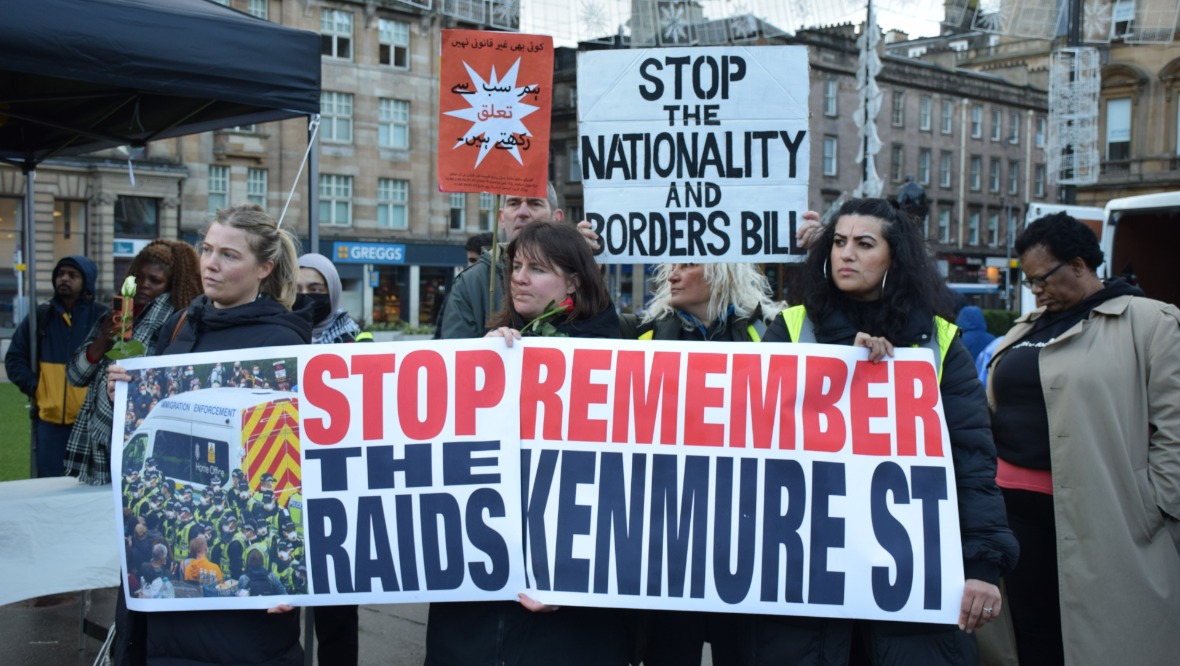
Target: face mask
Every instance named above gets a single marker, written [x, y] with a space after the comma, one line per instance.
[321, 307]
[289, 535]
[269, 505]
[284, 556]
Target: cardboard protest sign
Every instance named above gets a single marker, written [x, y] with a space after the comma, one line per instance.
[785, 479]
[697, 155]
[495, 94]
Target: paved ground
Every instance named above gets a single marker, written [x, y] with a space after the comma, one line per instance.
[45, 632]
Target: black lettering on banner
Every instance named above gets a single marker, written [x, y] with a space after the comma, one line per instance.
[327, 529]
[493, 575]
[781, 530]
[930, 489]
[534, 512]
[679, 511]
[571, 574]
[333, 465]
[827, 531]
[441, 510]
[372, 533]
[733, 578]
[383, 464]
[614, 525]
[889, 479]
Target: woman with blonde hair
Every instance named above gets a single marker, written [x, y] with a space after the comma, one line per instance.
[249, 268]
[728, 302]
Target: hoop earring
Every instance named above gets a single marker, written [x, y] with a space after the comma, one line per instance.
[826, 269]
[883, 278]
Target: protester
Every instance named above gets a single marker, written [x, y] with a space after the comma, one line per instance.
[476, 245]
[555, 288]
[337, 628]
[62, 325]
[167, 279]
[701, 302]
[869, 282]
[199, 569]
[1085, 397]
[976, 337]
[476, 294]
[320, 283]
[249, 268]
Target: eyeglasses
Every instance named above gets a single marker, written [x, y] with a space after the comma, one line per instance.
[1039, 282]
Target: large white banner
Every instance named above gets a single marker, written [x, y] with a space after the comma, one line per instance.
[695, 155]
[784, 479]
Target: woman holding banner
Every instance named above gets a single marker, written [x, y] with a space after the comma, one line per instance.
[249, 269]
[701, 302]
[869, 282]
[554, 289]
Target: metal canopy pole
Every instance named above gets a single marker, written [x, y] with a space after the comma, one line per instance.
[29, 249]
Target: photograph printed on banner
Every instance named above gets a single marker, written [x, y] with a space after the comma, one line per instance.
[211, 481]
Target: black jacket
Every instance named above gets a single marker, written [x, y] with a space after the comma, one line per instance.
[204, 638]
[263, 322]
[504, 633]
[989, 547]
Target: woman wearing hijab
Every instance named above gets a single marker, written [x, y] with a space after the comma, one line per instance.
[319, 282]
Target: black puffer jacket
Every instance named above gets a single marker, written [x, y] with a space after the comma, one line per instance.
[263, 322]
[504, 633]
[207, 638]
[989, 547]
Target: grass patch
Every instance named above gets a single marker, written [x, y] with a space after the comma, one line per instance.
[14, 433]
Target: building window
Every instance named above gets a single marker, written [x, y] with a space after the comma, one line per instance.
[137, 217]
[830, 146]
[393, 123]
[458, 211]
[897, 163]
[218, 188]
[899, 108]
[393, 198]
[977, 121]
[1013, 127]
[69, 227]
[575, 175]
[993, 228]
[1042, 128]
[924, 111]
[831, 88]
[997, 124]
[993, 175]
[256, 186]
[335, 199]
[1118, 129]
[258, 8]
[924, 159]
[945, 159]
[487, 211]
[336, 33]
[948, 116]
[1039, 181]
[973, 228]
[944, 225]
[974, 173]
[336, 117]
[1013, 176]
[394, 39]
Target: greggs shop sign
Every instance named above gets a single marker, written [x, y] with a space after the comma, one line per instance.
[369, 253]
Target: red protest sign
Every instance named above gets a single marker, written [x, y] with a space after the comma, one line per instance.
[494, 101]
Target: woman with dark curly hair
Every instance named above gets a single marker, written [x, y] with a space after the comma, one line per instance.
[1085, 398]
[167, 279]
[869, 282]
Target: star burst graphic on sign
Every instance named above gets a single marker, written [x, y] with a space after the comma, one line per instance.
[496, 108]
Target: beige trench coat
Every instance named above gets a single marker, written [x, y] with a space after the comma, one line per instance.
[1112, 387]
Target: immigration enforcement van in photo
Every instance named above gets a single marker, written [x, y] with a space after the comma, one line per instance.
[206, 433]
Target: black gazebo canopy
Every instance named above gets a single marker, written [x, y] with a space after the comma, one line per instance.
[82, 75]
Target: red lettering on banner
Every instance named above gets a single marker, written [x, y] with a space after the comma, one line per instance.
[817, 403]
[372, 368]
[863, 407]
[468, 398]
[584, 393]
[751, 403]
[916, 387]
[408, 394]
[335, 403]
[641, 391]
[535, 391]
[698, 397]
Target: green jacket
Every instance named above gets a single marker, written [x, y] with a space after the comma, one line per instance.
[467, 309]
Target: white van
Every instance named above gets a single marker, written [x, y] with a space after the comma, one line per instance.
[200, 434]
[1137, 243]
